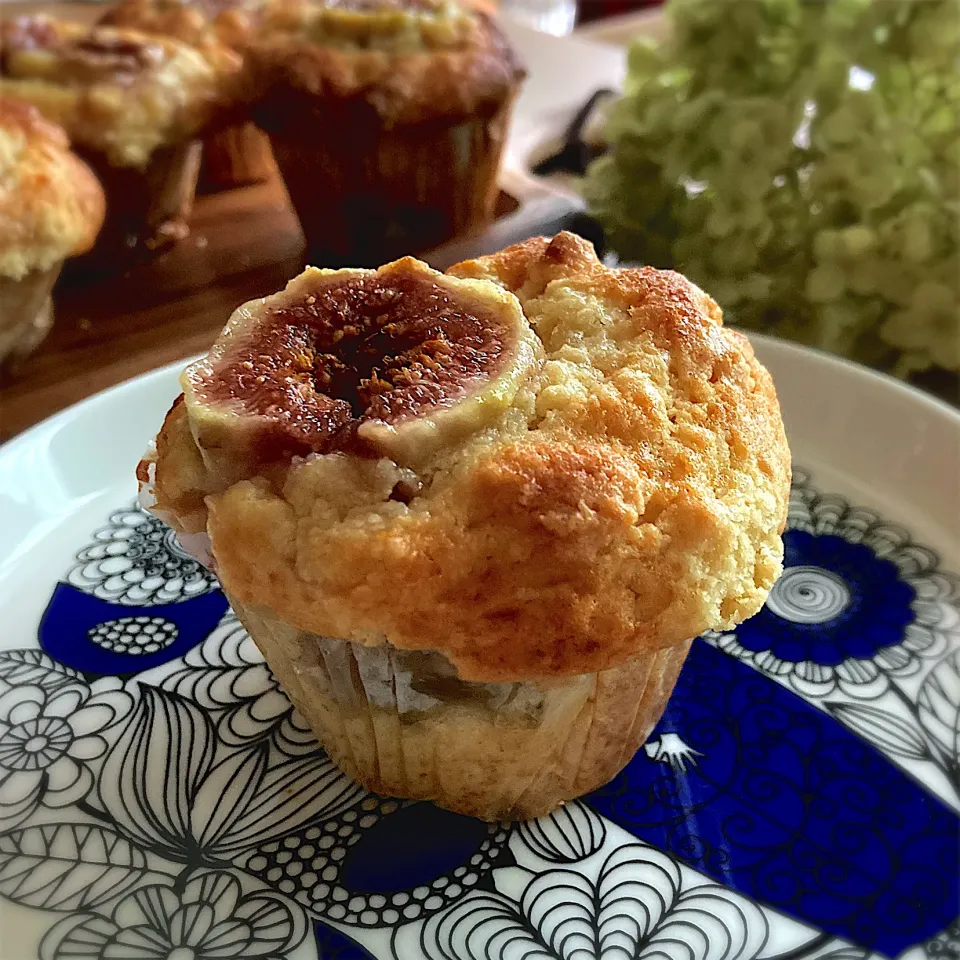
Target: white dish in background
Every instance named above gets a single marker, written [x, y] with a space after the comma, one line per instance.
[804, 778]
[562, 73]
[621, 31]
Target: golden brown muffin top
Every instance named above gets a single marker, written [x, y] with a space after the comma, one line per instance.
[51, 204]
[614, 481]
[404, 60]
[196, 22]
[232, 21]
[119, 92]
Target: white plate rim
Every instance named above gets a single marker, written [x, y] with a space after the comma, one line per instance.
[932, 405]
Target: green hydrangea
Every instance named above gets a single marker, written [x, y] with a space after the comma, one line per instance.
[800, 160]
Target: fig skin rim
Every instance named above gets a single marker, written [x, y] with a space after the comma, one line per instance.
[408, 438]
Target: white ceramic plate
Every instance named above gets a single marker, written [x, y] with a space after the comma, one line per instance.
[160, 799]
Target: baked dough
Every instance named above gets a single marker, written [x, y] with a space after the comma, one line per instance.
[51, 204]
[197, 23]
[119, 92]
[630, 496]
[402, 62]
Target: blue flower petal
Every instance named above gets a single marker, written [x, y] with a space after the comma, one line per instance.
[71, 614]
[789, 807]
[411, 848]
[852, 605]
[334, 945]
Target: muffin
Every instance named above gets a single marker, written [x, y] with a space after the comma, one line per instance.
[51, 207]
[133, 106]
[474, 519]
[387, 120]
[237, 155]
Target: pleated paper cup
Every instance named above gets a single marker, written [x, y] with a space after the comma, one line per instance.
[366, 194]
[26, 314]
[236, 157]
[404, 724]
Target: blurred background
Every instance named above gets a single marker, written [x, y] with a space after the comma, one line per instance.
[799, 161]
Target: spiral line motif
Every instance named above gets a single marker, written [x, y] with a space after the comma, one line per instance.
[808, 594]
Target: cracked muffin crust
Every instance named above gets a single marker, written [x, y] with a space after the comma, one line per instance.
[197, 22]
[118, 92]
[239, 154]
[51, 205]
[473, 519]
[407, 61]
[626, 492]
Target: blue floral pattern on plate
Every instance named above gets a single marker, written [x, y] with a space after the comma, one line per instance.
[160, 797]
[784, 804]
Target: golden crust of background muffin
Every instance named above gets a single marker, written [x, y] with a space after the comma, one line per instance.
[632, 497]
[196, 23]
[473, 75]
[51, 204]
[116, 91]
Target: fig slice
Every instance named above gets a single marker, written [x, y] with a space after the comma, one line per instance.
[398, 362]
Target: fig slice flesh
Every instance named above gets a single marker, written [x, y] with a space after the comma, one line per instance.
[398, 362]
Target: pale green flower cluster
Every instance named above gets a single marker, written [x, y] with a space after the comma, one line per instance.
[800, 160]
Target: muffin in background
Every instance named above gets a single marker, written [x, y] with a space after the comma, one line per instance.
[237, 155]
[387, 120]
[474, 519]
[133, 106]
[51, 207]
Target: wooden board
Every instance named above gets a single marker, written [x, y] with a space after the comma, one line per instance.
[244, 243]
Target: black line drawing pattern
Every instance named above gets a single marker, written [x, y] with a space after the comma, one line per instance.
[136, 561]
[188, 811]
[317, 866]
[938, 712]
[624, 901]
[635, 909]
[573, 833]
[134, 635]
[52, 727]
[171, 787]
[875, 609]
[870, 632]
[207, 919]
[946, 946]
[227, 676]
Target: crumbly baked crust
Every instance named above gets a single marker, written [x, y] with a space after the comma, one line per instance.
[391, 63]
[115, 91]
[51, 204]
[631, 496]
[231, 22]
[198, 22]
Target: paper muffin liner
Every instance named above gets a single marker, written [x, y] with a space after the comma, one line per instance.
[146, 209]
[402, 723]
[26, 314]
[236, 157]
[368, 195]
